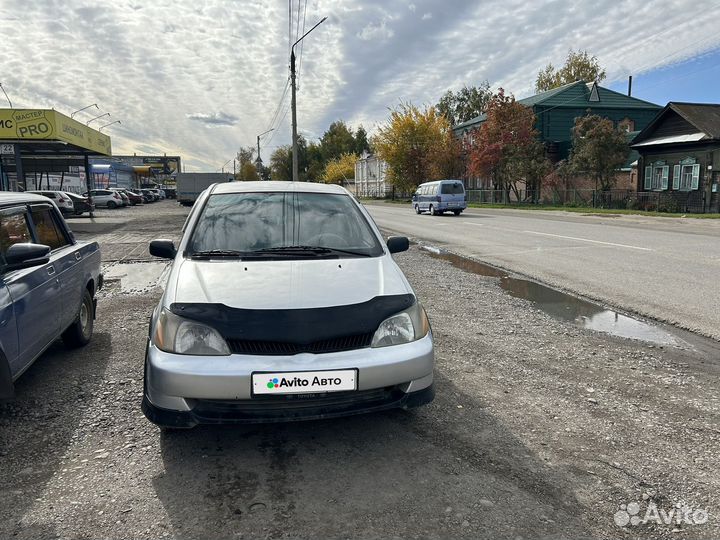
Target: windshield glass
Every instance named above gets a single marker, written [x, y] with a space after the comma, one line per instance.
[250, 222]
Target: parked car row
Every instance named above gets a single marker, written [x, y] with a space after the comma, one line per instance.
[72, 204]
[68, 203]
[120, 197]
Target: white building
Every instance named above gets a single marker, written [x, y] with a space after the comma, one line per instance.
[370, 174]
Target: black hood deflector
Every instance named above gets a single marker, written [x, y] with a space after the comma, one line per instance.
[299, 326]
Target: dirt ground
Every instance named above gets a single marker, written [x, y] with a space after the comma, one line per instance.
[539, 429]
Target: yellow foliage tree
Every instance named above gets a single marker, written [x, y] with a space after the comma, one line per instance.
[418, 146]
[339, 170]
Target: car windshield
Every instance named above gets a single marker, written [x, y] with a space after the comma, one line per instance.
[275, 222]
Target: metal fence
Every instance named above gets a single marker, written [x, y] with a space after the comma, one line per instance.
[652, 201]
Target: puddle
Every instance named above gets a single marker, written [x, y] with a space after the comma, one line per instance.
[136, 277]
[565, 306]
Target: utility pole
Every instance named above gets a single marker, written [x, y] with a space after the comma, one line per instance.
[295, 174]
[258, 161]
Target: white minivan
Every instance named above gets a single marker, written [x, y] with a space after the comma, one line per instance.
[439, 197]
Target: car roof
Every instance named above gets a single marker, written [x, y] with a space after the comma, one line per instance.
[297, 187]
[9, 198]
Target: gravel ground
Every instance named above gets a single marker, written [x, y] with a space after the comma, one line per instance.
[539, 429]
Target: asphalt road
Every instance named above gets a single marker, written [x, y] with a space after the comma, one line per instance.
[662, 268]
[540, 429]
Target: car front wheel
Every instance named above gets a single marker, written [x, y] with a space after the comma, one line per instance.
[111, 205]
[80, 331]
[417, 209]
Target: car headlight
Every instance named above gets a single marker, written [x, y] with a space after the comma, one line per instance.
[176, 335]
[404, 327]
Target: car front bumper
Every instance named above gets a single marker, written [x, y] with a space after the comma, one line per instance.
[184, 390]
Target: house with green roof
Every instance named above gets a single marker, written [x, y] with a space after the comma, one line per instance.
[557, 109]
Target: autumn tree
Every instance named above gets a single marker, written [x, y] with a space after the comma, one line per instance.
[506, 148]
[599, 149]
[340, 170]
[466, 103]
[246, 169]
[579, 66]
[417, 146]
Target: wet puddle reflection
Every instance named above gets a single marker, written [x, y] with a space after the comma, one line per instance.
[565, 306]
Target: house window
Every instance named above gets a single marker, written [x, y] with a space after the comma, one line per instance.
[656, 177]
[686, 175]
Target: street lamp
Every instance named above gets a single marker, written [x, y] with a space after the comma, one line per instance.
[93, 119]
[110, 124]
[72, 115]
[295, 174]
[258, 160]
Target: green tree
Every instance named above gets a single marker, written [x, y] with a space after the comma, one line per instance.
[466, 103]
[599, 149]
[579, 66]
[506, 148]
[246, 169]
[281, 164]
[336, 141]
[340, 170]
[315, 163]
[418, 145]
[361, 141]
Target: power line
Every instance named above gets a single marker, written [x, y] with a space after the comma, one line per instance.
[302, 46]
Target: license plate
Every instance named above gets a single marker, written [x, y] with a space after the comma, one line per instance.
[304, 382]
[452, 204]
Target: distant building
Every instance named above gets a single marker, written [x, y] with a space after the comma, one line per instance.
[679, 157]
[370, 173]
[556, 111]
[160, 170]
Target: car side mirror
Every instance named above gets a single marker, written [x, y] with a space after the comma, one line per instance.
[396, 244]
[26, 256]
[163, 248]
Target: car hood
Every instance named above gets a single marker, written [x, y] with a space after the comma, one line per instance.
[284, 284]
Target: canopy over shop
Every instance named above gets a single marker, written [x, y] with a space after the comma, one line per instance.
[43, 142]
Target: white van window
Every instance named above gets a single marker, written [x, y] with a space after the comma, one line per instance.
[453, 188]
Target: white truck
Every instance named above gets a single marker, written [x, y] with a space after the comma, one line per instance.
[190, 185]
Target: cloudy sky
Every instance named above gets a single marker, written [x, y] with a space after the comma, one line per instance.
[200, 78]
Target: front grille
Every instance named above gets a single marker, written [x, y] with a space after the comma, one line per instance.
[296, 406]
[278, 348]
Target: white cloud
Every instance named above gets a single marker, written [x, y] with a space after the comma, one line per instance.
[168, 73]
[376, 32]
[214, 119]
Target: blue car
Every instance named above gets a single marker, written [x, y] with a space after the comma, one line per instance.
[439, 197]
[48, 282]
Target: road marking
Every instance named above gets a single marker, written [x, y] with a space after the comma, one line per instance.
[588, 240]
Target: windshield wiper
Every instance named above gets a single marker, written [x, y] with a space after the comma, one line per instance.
[292, 249]
[310, 250]
[210, 253]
